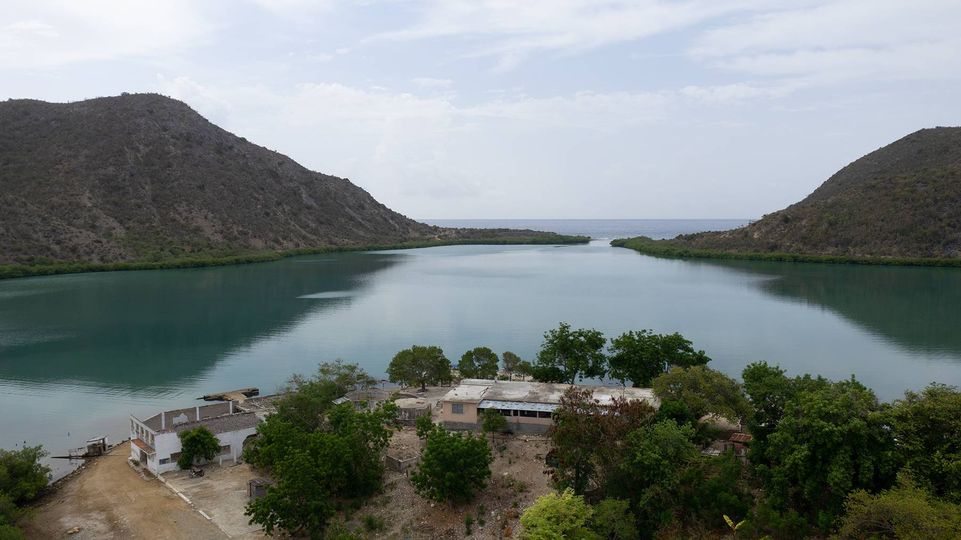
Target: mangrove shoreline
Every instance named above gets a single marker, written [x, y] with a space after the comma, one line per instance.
[11, 271]
[664, 249]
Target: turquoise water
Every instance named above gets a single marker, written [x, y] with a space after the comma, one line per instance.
[78, 353]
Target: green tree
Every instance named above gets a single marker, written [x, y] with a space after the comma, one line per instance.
[641, 356]
[613, 520]
[511, 363]
[656, 456]
[197, 443]
[768, 390]
[341, 459]
[345, 376]
[493, 422]
[703, 391]
[453, 467]
[832, 439]
[927, 430]
[308, 398]
[419, 366]
[568, 355]
[478, 363]
[563, 516]
[423, 425]
[22, 476]
[904, 511]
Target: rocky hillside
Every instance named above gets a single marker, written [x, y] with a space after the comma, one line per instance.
[900, 201]
[144, 177]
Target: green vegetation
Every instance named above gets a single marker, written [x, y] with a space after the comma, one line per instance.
[904, 511]
[568, 355]
[196, 444]
[701, 390]
[318, 454]
[453, 466]
[22, 479]
[478, 363]
[226, 258]
[492, 421]
[641, 356]
[667, 249]
[556, 516]
[420, 366]
[511, 362]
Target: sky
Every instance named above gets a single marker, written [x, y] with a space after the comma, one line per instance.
[525, 108]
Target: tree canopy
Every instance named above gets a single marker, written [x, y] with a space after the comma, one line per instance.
[195, 444]
[703, 391]
[511, 362]
[569, 355]
[453, 466]
[641, 356]
[419, 366]
[904, 511]
[478, 363]
[559, 516]
[317, 453]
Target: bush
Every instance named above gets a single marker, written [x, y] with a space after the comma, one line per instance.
[453, 467]
[197, 443]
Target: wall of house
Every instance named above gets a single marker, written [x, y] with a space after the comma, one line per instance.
[467, 417]
[168, 449]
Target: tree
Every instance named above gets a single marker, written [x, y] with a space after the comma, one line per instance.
[493, 422]
[197, 443]
[568, 355]
[308, 398]
[419, 365]
[641, 356]
[22, 476]
[563, 516]
[656, 456]
[453, 466]
[768, 390]
[904, 511]
[832, 439]
[511, 363]
[575, 434]
[703, 391]
[613, 520]
[478, 363]
[423, 425]
[927, 429]
[346, 377]
[340, 459]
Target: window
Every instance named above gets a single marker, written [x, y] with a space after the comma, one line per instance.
[543, 414]
[529, 414]
[164, 461]
[457, 408]
[506, 412]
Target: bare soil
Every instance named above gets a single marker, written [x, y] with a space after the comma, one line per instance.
[109, 499]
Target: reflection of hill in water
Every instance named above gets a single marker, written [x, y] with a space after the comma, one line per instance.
[131, 330]
[916, 308]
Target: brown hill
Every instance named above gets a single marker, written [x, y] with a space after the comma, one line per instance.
[901, 201]
[144, 177]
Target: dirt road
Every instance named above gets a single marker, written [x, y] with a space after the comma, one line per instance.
[110, 500]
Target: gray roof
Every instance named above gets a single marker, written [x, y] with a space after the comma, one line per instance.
[478, 390]
[222, 424]
[190, 414]
[516, 406]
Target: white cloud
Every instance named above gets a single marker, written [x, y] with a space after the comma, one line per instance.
[431, 82]
[47, 34]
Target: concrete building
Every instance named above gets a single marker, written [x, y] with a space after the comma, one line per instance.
[155, 443]
[528, 406]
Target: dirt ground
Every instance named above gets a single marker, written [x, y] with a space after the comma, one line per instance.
[517, 479]
[109, 499]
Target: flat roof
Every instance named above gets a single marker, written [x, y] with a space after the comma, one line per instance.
[477, 390]
[189, 414]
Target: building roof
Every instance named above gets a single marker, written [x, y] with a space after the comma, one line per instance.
[222, 424]
[142, 445]
[168, 420]
[478, 390]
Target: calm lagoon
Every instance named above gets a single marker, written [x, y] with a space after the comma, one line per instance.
[78, 353]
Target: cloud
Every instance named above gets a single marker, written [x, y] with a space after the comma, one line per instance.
[431, 82]
[48, 34]
[513, 31]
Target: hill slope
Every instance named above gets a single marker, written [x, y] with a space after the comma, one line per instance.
[144, 177]
[900, 201]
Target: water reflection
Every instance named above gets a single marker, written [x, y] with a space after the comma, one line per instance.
[915, 308]
[137, 330]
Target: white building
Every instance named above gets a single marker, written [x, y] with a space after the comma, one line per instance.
[155, 443]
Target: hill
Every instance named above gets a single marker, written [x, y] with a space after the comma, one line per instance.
[902, 201]
[144, 178]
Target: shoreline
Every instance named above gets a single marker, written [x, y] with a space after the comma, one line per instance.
[658, 248]
[14, 271]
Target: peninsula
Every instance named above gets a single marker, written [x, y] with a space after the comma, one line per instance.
[143, 181]
[900, 204]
